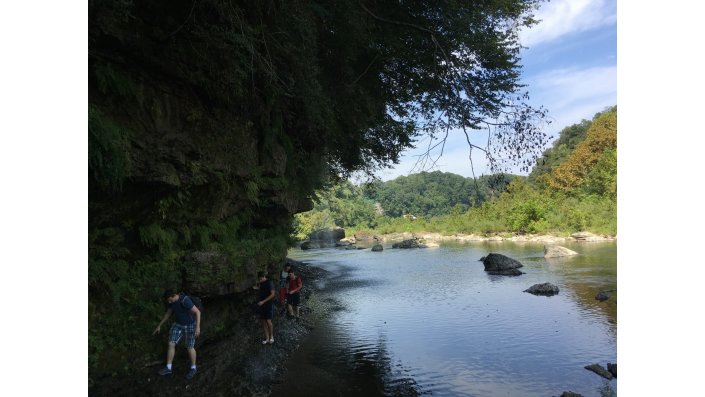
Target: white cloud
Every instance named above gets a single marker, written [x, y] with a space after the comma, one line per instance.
[573, 94]
[570, 93]
[561, 17]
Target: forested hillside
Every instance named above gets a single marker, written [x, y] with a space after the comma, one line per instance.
[572, 188]
[429, 194]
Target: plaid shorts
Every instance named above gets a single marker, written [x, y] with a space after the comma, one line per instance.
[177, 330]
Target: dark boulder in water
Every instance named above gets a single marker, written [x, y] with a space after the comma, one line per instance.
[600, 370]
[612, 368]
[603, 295]
[545, 289]
[570, 394]
[411, 243]
[499, 264]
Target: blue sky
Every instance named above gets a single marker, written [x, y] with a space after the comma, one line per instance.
[570, 68]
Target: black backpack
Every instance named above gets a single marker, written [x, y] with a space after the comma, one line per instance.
[196, 301]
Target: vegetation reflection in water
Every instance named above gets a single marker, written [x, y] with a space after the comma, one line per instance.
[434, 322]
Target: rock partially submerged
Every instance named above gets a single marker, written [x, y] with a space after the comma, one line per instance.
[328, 235]
[612, 368]
[410, 243]
[570, 394]
[600, 370]
[502, 265]
[603, 295]
[545, 289]
[587, 236]
[377, 247]
[556, 251]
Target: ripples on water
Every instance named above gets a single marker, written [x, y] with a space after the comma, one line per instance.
[431, 321]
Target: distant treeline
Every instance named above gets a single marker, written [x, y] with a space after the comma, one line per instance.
[573, 187]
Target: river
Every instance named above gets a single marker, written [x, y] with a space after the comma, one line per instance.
[431, 321]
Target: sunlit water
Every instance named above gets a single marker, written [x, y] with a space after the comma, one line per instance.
[431, 321]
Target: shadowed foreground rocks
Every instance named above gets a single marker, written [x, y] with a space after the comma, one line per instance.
[234, 365]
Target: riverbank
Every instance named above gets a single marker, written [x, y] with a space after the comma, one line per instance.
[236, 364]
[430, 237]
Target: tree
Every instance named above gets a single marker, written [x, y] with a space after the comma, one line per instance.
[601, 137]
[350, 82]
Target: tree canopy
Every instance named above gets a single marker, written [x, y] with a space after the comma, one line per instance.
[351, 83]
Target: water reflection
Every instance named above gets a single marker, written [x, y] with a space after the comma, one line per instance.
[335, 362]
[433, 322]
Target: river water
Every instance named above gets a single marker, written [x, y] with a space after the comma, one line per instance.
[431, 321]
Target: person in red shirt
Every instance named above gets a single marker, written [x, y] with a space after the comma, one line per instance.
[293, 299]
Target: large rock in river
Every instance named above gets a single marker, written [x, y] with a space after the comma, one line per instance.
[545, 289]
[330, 235]
[501, 265]
[600, 370]
[556, 251]
[324, 238]
[411, 243]
[612, 368]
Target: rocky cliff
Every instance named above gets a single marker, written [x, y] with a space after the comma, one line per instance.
[185, 189]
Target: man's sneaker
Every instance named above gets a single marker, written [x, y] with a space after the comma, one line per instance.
[165, 371]
[271, 341]
[191, 373]
[264, 342]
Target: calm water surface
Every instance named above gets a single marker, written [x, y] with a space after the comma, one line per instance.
[431, 321]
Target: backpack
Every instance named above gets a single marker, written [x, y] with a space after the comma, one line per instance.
[196, 301]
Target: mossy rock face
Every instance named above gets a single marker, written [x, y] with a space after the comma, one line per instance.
[212, 273]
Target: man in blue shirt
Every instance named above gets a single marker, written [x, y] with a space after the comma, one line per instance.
[188, 323]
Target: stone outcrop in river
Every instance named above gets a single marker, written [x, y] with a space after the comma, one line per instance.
[545, 289]
[600, 370]
[612, 368]
[325, 238]
[410, 243]
[587, 236]
[556, 251]
[570, 394]
[502, 265]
